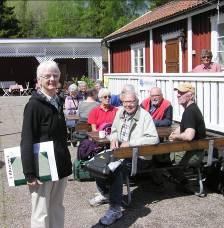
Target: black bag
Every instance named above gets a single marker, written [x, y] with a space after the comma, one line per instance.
[80, 174]
[215, 176]
[98, 165]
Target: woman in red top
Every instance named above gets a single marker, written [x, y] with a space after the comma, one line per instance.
[104, 113]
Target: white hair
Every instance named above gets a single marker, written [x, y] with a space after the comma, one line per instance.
[72, 88]
[132, 93]
[103, 92]
[82, 83]
[47, 65]
[128, 87]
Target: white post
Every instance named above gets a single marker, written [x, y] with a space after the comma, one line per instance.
[189, 43]
[151, 49]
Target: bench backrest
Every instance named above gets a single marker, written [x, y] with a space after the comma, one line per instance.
[169, 147]
[6, 84]
[83, 126]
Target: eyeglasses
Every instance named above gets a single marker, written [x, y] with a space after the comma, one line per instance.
[105, 97]
[155, 95]
[48, 76]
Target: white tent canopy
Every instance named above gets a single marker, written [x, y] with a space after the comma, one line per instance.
[46, 49]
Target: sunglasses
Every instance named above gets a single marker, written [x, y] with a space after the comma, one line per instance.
[206, 57]
[105, 97]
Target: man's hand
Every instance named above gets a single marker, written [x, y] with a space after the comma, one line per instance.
[114, 144]
[172, 136]
[34, 182]
[124, 144]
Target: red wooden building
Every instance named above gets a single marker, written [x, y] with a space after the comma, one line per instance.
[169, 38]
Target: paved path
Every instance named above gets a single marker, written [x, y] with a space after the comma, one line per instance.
[148, 209]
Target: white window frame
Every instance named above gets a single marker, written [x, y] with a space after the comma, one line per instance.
[169, 36]
[138, 47]
[215, 35]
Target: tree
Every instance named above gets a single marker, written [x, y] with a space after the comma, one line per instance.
[103, 17]
[63, 19]
[9, 25]
[86, 18]
[157, 3]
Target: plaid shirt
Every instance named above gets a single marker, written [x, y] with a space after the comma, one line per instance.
[125, 129]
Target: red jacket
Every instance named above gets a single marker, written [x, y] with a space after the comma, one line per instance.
[159, 112]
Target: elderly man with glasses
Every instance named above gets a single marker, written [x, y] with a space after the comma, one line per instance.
[207, 64]
[132, 126]
[192, 126]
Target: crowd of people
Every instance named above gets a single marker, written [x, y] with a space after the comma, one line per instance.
[133, 124]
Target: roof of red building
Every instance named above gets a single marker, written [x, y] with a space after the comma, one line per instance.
[159, 14]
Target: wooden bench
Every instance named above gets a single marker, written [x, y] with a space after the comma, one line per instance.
[80, 128]
[209, 143]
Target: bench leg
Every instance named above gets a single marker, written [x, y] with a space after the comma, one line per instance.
[201, 192]
[128, 191]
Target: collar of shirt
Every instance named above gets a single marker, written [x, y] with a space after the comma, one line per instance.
[52, 100]
[207, 67]
[109, 108]
[47, 96]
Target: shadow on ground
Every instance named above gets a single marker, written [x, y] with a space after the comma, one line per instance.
[2, 164]
[139, 206]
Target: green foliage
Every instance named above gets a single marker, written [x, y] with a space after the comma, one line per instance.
[9, 25]
[89, 81]
[157, 3]
[86, 18]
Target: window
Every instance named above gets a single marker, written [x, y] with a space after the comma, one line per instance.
[138, 58]
[217, 39]
[220, 51]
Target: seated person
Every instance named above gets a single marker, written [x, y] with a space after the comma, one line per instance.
[82, 88]
[71, 104]
[192, 126]
[159, 108]
[60, 92]
[104, 113]
[161, 111]
[98, 85]
[207, 64]
[86, 106]
[116, 99]
[132, 126]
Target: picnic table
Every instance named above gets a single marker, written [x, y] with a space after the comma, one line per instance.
[163, 132]
[72, 117]
[13, 89]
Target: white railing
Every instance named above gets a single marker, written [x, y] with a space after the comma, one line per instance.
[209, 91]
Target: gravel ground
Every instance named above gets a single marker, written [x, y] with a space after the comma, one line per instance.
[148, 208]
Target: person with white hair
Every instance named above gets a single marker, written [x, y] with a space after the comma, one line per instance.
[71, 104]
[82, 88]
[43, 121]
[116, 99]
[132, 126]
[104, 113]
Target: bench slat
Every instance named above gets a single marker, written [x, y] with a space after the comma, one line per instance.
[169, 147]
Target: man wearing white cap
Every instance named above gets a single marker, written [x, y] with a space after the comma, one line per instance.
[192, 126]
